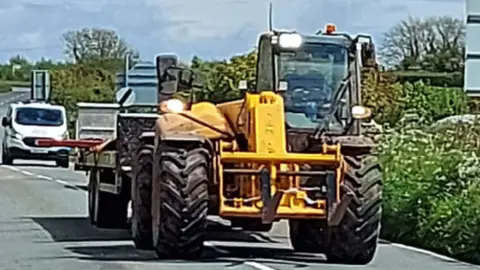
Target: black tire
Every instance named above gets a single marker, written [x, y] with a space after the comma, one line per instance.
[91, 196]
[355, 240]
[142, 198]
[63, 162]
[109, 210]
[6, 158]
[308, 235]
[181, 188]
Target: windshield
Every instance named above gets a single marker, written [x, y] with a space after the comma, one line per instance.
[39, 117]
[312, 76]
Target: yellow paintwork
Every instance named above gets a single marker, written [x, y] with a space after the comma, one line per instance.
[268, 148]
[203, 119]
[261, 119]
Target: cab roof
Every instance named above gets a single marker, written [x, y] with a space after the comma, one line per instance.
[329, 39]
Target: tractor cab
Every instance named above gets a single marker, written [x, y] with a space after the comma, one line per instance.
[317, 75]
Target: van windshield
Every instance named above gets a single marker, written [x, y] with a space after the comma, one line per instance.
[39, 117]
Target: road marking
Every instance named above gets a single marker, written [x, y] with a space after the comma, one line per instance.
[433, 254]
[12, 168]
[217, 249]
[45, 177]
[59, 181]
[258, 265]
[26, 173]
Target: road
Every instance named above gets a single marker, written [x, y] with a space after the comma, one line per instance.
[43, 225]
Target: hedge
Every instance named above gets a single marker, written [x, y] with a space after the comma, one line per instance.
[432, 189]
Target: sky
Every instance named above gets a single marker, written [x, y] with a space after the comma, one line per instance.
[211, 29]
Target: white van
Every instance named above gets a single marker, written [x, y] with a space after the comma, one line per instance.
[27, 122]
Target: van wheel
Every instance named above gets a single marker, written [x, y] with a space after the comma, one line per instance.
[6, 158]
[63, 162]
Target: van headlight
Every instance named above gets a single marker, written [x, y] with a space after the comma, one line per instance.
[16, 135]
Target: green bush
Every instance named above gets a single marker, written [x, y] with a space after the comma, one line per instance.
[79, 83]
[432, 192]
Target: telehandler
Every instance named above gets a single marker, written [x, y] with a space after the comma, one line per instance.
[292, 148]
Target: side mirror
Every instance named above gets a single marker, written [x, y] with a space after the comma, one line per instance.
[164, 62]
[125, 97]
[187, 78]
[364, 43]
[5, 121]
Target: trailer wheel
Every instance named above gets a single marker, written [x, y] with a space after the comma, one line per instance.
[108, 210]
[92, 186]
[180, 201]
[354, 241]
[6, 158]
[142, 198]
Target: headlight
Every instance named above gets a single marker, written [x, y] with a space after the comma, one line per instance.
[360, 112]
[290, 40]
[172, 106]
[18, 136]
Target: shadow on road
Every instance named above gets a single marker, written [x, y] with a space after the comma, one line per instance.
[73, 229]
[258, 246]
[235, 255]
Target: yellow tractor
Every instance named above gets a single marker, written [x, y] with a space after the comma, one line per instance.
[292, 149]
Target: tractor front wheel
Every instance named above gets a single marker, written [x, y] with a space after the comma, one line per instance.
[180, 199]
[354, 240]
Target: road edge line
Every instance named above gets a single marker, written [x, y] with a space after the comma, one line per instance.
[433, 254]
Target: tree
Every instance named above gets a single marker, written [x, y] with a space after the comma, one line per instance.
[222, 77]
[434, 44]
[102, 46]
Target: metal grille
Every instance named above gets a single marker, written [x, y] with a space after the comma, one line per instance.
[30, 141]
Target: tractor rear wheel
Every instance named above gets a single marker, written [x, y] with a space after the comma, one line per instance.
[354, 240]
[142, 198]
[180, 200]
[307, 235]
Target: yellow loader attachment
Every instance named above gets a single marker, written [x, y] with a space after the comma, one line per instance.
[268, 176]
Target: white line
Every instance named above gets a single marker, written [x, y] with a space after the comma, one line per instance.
[27, 173]
[433, 254]
[45, 177]
[217, 249]
[12, 168]
[259, 266]
[61, 182]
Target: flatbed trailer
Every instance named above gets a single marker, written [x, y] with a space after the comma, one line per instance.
[106, 142]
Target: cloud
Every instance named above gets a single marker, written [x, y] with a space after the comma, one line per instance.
[208, 28]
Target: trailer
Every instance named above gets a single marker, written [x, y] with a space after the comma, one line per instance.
[107, 138]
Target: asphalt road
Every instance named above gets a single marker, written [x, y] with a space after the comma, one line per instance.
[43, 225]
